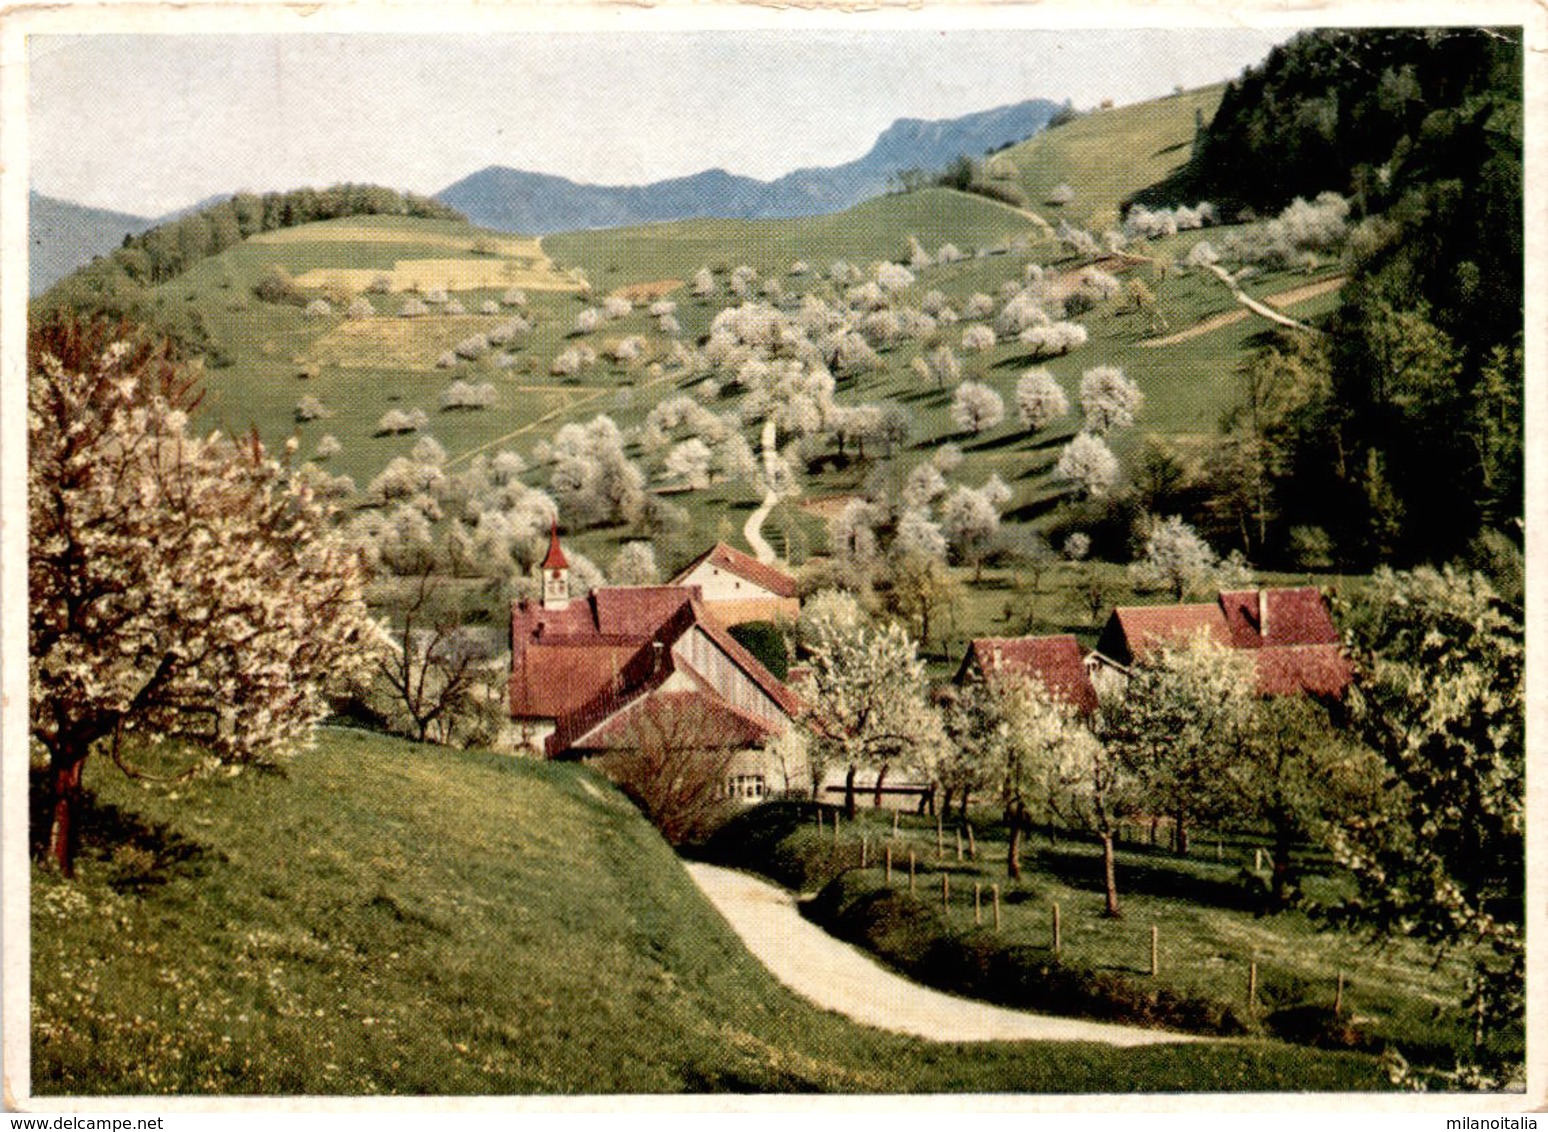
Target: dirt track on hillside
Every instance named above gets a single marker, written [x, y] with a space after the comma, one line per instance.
[844, 979]
[1226, 318]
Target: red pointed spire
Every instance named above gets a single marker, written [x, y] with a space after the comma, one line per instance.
[556, 559]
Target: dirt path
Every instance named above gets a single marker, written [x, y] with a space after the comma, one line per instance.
[844, 979]
[753, 530]
[1250, 305]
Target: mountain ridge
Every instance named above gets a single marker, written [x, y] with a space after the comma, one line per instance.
[539, 203]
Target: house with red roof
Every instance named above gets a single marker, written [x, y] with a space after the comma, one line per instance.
[584, 668]
[1054, 661]
[1289, 633]
[737, 588]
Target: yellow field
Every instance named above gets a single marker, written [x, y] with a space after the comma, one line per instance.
[484, 272]
[397, 343]
[513, 246]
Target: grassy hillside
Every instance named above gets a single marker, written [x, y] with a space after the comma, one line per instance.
[404, 919]
[876, 229]
[270, 355]
[1108, 155]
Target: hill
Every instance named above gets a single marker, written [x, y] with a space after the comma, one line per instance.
[402, 919]
[1110, 154]
[62, 236]
[517, 200]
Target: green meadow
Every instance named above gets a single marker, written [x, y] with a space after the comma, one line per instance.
[392, 918]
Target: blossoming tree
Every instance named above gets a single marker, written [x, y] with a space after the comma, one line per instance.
[182, 587]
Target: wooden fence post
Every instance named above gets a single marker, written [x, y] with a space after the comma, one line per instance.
[946, 892]
[995, 890]
[910, 872]
[889, 864]
[1338, 996]
[894, 825]
[1058, 942]
[940, 838]
[1252, 984]
[1257, 860]
[959, 843]
[835, 827]
[978, 902]
[1155, 951]
[972, 843]
[865, 848]
[1219, 853]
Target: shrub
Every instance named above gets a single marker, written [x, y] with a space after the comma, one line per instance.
[976, 339]
[454, 306]
[413, 308]
[472, 347]
[309, 408]
[515, 297]
[277, 286]
[360, 308]
[766, 642]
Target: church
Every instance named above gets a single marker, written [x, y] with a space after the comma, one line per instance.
[585, 671]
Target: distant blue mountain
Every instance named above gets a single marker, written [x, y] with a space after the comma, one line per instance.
[517, 200]
[62, 236]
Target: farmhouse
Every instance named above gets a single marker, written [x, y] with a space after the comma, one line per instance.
[1289, 633]
[737, 588]
[583, 671]
[1055, 661]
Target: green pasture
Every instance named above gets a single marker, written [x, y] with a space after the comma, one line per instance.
[391, 918]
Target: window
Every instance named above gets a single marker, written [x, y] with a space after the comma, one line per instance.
[745, 787]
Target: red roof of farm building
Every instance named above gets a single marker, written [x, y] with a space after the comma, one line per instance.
[1056, 661]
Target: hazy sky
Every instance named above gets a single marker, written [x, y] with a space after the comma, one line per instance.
[147, 124]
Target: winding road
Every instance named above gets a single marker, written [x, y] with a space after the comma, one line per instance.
[752, 530]
[839, 977]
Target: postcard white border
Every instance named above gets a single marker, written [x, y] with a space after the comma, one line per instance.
[378, 16]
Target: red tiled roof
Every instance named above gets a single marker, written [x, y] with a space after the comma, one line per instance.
[1056, 661]
[1299, 652]
[550, 680]
[637, 610]
[1283, 670]
[1294, 616]
[583, 664]
[556, 559]
[1145, 628]
[700, 719]
[734, 561]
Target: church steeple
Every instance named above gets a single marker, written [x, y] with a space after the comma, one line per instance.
[556, 573]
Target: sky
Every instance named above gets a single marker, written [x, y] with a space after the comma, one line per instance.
[147, 124]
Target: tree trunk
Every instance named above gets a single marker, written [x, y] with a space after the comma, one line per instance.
[1180, 835]
[1154, 822]
[1110, 877]
[849, 793]
[1013, 854]
[63, 835]
[962, 804]
[880, 778]
[946, 795]
[1281, 875]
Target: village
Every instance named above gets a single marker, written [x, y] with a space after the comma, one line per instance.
[1036, 607]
